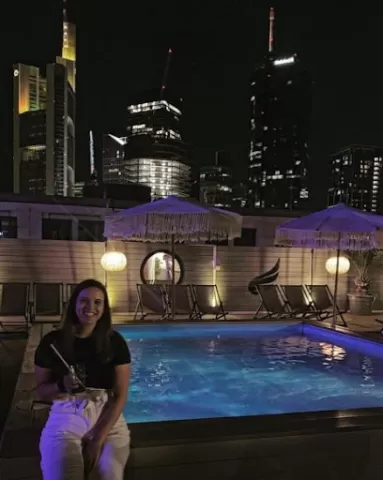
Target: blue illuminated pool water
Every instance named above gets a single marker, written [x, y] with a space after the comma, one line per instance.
[222, 370]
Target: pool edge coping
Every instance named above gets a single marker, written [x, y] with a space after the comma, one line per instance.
[208, 430]
[257, 426]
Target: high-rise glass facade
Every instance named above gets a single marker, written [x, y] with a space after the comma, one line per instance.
[44, 107]
[113, 154]
[280, 124]
[155, 154]
[355, 177]
[216, 183]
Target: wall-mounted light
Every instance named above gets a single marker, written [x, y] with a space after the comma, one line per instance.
[113, 261]
[343, 267]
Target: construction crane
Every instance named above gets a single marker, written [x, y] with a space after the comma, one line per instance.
[166, 72]
[271, 29]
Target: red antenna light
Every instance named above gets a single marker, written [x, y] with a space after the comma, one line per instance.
[271, 29]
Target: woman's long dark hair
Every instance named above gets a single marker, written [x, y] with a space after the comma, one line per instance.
[102, 331]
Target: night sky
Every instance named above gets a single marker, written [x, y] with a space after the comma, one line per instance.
[122, 48]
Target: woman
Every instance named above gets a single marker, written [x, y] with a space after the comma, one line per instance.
[85, 435]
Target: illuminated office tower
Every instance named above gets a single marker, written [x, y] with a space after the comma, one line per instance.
[155, 154]
[113, 154]
[216, 183]
[68, 51]
[280, 118]
[355, 177]
[44, 106]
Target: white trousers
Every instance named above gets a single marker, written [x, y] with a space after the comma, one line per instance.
[61, 440]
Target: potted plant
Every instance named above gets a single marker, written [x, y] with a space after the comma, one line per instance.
[361, 301]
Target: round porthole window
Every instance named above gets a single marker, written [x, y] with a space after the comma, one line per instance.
[157, 268]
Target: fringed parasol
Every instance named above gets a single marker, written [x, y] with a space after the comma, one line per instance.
[171, 220]
[339, 227]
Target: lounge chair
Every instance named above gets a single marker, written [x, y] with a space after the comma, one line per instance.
[299, 301]
[69, 290]
[184, 302]
[47, 302]
[380, 321]
[273, 302]
[15, 307]
[323, 303]
[152, 300]
[207, 301]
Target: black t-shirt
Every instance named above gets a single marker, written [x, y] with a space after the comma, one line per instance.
[90, 368]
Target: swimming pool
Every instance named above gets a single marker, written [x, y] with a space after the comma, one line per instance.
[199, 371]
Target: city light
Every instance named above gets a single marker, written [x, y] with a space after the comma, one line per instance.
[284, 61]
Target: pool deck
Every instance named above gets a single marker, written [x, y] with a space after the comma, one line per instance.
[285, 455]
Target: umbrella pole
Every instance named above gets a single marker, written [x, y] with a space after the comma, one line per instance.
[334, 322]
[312, 268]
[173, 280]
[105, 272]
[214, 264]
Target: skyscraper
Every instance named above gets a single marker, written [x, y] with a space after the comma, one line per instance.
[216, 183]
[68, 52]
[280, 117]
[113, 154]
[355, 177]
[44, 106]
[155, 154]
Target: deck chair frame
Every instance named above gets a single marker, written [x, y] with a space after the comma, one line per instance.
[192, 310]
[219, 310]
[272, 314]
[307, 311]
[320, 314]
[61, 303]
[68, 290]
[140, 307]
[26, 314]
[380, 321]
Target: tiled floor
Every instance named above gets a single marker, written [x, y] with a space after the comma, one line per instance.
[19, 450]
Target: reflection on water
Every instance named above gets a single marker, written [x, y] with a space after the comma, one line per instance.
[185, 378]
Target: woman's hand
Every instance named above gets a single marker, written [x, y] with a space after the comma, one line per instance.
[92, 446]
[71, 382]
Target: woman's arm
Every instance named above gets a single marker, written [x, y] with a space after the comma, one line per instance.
[115, 405]
[47, 390]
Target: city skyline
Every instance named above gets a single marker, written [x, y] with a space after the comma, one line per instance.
[213, 73]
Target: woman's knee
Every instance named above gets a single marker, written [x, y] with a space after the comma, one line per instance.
[112, 461]
[62, 459]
